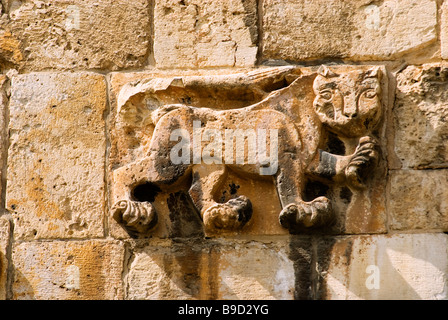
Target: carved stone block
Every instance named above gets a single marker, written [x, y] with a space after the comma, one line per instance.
[363, 30]
[56, 155]
[68, 270]
[201, 34]
[234, 141]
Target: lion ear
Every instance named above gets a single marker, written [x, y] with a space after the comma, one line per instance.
[324, 71]
[374, 72]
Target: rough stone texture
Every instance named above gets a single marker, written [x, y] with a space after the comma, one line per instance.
[67, 34]
[68, 270]
[418, 200]
[92, 208]
[444, 30]
[5, 236]
[202, 34]
[4, 83]
[421, 117]
[403, 267]
[362, 30]
[256, 271]
[56, 156]
[135, 144]
[213, 270]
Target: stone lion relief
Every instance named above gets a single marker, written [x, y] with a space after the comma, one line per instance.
[275, 138]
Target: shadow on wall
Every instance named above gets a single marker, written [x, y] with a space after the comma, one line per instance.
[405, 267]
[211, 269]
[22, 288]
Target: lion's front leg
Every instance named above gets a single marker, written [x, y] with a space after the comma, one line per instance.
[361, 163]
[352, 170]
[296, 212]
[218, 218]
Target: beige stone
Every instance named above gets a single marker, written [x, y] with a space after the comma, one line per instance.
[148, 111]
[364, 30]
[256, 271]
[68, 34]
[202, 34]
[421, 117]
[213, 270]
[5, 237]
[56, 155]
[418, 199]
[169, 271]
[444, 30]
[4, 83]
[68, 270]
[400, 266]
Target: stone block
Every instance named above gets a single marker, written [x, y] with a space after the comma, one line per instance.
[68, 270]
[398, 267]
[74, 34]
[5, 237]
[444, 30]
[212, 270]
[4, 83]
[360, 30]
[421, 117]
[56, 156]
[202, 34]
[418, 199]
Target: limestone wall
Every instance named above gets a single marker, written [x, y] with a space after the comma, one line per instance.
[83, 84]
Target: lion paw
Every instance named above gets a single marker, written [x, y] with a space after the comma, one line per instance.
[306, 214]
[137, 217]
[362, 162]
[229, 216]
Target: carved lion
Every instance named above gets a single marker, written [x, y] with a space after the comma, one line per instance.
[347, 104]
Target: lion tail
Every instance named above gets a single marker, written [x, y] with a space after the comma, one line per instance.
[160, 112]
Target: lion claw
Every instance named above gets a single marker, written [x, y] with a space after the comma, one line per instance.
[137, 217]
[363, 160]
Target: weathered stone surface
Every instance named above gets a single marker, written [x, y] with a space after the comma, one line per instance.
[201, 34]
[404, 267]
[212, 270]
[256, 271]
[418, 199]
[5, 236]
[68, 34]
[346, 101]
[444, 30]
[3, 123]
[171, 271]
[421, 117]
[300, 30]
[68, 270]
[56, 156]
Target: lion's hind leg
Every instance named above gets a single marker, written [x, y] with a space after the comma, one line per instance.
[218, 218]
[139, 184]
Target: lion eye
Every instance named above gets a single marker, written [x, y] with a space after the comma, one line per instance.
[370, 94]
[326, 95]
